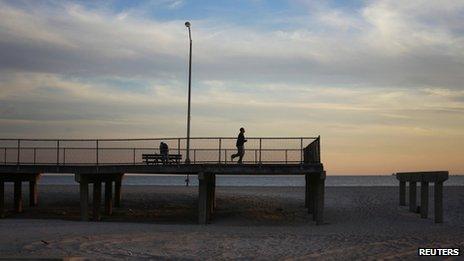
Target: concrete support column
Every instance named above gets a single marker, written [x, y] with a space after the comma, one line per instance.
[96, 200]
[18, 196]
[108, 197]
[2, 198]
[307, 195]
[84, 196]
[33, 195]
[213, 193]
[117, 190]
[313, 181]
[412, 196]
[204, 201]
[424, 207]
[210, 196]
[402, 193]
[320, 201]
[438, 195]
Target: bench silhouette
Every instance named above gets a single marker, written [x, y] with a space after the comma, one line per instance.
[158, 158]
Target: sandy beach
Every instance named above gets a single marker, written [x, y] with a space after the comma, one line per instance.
[159, 222]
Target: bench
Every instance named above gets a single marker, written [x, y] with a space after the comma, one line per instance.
[437, 177]
[158, 158]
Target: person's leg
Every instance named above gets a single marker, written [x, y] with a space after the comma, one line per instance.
[241, 152]
[233, 156]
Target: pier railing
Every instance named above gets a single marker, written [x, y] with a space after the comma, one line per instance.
[312, 152]
[215, 150]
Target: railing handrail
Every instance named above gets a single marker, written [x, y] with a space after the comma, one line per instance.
[144, 139]
[312, 152]
[266, 149]
[136, 148]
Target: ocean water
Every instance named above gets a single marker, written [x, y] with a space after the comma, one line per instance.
[243, 180]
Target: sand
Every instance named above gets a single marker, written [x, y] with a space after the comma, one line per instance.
[251, 223]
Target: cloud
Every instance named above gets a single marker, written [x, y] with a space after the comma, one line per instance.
[382, 44]
[48, 97]
[76, 41]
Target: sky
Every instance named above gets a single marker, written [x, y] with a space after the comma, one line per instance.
[380, 81]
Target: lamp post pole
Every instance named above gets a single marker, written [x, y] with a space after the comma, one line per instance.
[187, 159]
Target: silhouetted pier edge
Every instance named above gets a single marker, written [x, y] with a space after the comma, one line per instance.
[110, 159]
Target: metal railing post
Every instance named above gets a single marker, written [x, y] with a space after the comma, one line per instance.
[64, 156]
[58, 152]
[220, 144]
[301, 150]
[256, 156]
[96, 143]
[133, 155]
[35, 157]
[19, 151]
[260, 149]
[286, 151]
[178, 146]
[194, 155]
[225, 156]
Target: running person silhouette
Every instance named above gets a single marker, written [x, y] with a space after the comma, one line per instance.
[240, 146]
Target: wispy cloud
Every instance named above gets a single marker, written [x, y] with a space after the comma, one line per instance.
[391, 45]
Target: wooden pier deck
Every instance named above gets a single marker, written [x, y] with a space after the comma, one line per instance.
[304, 160]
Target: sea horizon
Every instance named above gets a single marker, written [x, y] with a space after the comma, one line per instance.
[248, 180]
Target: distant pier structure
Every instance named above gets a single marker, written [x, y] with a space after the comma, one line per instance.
[103, 162]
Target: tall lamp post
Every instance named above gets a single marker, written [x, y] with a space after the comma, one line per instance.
[187, 159]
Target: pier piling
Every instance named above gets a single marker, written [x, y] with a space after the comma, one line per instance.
[412, 196]
[307, 191]
[202, 199]
[313, 196]
[33, 194]
[206, 197]
[96, 200]
[108, 197]
[438, 187]
[319, 208]
[424, 208]
[84, 194]
[2, 198]
[424, 177]
[117, 189]
[18, 196]
[402, 193]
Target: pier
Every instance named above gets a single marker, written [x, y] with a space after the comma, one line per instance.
[104, 162]
[424, 178]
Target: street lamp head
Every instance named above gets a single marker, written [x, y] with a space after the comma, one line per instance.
[187, 24]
